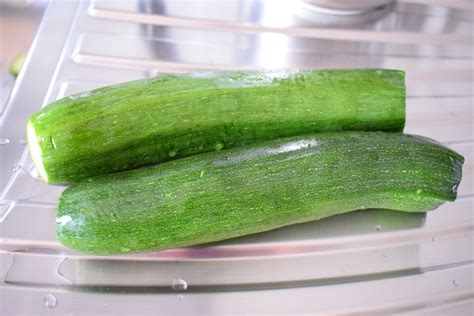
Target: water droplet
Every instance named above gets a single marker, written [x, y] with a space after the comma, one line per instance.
[50, 301]
[8, 263]
[456, 283]
[179, 285]
[16, 168]
[60, 269]
[201, 174]
[34, 173]
[172, 153]
[218, 146]
[378, 228]
[434, 238]
[23, 141]
[4, 141]
[454, 188]
[63, 220]
[180, 297]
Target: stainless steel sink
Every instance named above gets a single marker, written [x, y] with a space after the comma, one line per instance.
[364, 263]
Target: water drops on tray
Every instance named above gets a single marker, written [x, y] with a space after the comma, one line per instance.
[179, 285]
[50, 300]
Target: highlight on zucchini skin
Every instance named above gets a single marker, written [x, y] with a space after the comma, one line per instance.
[255, 188]
[149, 121]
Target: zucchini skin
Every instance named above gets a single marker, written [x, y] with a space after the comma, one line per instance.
[259, 187]
[145, 122]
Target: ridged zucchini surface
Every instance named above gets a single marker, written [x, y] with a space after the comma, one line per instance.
[254, 188]
[145, 122]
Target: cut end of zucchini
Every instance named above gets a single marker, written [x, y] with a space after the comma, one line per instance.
[35, 151]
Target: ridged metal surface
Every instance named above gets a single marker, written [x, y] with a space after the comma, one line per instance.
[363, 263]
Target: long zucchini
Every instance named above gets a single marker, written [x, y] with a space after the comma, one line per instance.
[143, 122]
[259, 187]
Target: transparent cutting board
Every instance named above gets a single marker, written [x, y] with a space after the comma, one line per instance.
[367, 262]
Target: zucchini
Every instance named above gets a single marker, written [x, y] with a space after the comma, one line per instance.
[144, 122]
[259, 187]
[17, 64]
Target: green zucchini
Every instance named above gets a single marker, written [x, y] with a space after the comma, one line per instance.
[17, 64]
[144, 122]
[254, 188]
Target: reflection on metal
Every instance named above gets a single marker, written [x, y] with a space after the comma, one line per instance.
[351, 256]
